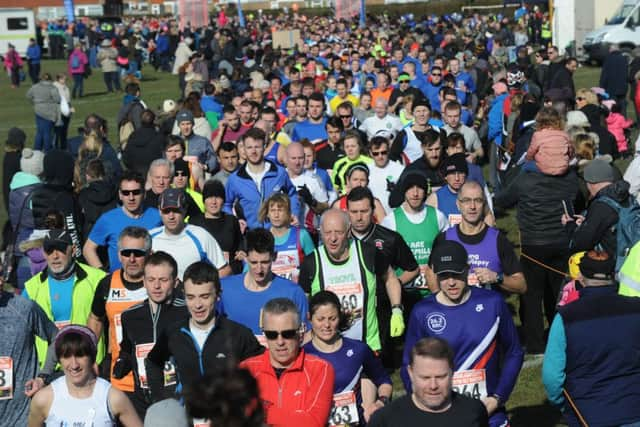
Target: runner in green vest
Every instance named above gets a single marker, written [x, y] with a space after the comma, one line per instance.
[419, 225]
[629, 274]
[352, 270]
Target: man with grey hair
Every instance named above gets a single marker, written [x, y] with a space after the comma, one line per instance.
[133, 212]
[296, 388]
[382, 123]
[352, 270]
[118, 292]
[159, 178]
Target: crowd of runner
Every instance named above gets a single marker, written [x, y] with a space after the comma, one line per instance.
[302, 222]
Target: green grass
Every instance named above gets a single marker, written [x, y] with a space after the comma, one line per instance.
[527, 405]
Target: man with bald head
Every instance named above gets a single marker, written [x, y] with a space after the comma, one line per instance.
[313, 195]
[382, 123]
[352, 270]
[492, 260]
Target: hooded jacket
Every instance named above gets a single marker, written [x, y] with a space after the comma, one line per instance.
[144, 146]
[600, 219]
[95, 198]
[607, 143]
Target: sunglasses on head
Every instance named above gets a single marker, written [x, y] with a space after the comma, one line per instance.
[287, 334]
[136, 192]
[138, 253]
[50, 247]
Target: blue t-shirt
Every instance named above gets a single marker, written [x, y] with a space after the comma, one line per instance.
[352, 360]
[107, 229]
[305, 240]
[60, 295]
[311, 131]
[244, 306]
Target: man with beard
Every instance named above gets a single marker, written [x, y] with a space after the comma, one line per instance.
[313, 128]
[65, 289]
[428, 166]
[117, 292]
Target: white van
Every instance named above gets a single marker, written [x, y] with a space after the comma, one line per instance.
[622, 28]
[17, 26]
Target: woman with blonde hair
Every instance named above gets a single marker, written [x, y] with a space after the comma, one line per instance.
[91, 148]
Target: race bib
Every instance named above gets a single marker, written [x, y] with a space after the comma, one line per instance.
[455, 219]
[351, 296]
[471, 383]
[344, 410]
[420, 282]
[62, 323]
[6, 378]
[117, 321]
[286, 266]
[170, 375]
[201, 422]
[141, 353]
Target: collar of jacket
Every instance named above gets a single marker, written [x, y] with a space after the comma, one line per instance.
[242, 172]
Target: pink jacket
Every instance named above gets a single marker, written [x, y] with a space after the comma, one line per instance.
[12, 60]
[616, 123]
[83, 62]
[552, 150]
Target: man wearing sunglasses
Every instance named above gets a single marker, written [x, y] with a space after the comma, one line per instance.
[205, 342]
[384, 172]
[116, 293]
[478, 326]
[296, 388]
[106, 231]
[65, 289]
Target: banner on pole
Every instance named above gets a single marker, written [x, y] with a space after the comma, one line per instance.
[69, 10]
[347, 9]
[193, 12]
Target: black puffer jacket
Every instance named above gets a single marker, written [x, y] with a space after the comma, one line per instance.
[144, 146]
[538, 199]
[600, 219]
[95, 199]
[607, 144]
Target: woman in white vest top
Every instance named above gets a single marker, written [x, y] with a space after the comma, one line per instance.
[80, 398]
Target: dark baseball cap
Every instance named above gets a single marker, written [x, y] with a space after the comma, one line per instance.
[598, 265]
[58, 236]
[454, 163]
[449, 257]
[172, 198]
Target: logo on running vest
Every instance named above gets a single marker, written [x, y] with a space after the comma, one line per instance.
[479, 308]
[436, 322]
[221, 356]
[349, 353]
[378, 243]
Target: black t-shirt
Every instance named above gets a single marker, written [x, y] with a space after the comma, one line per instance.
[226, 231]
[508, 258]
[327, 155]
[402, 412]
[98, 306]
[373, 259]
[392, 245]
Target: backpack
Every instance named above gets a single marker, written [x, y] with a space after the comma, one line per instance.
[75, 62]
[627, 228]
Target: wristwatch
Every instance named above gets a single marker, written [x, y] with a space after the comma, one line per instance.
[400, 306]
[497, 398]
[44, 377]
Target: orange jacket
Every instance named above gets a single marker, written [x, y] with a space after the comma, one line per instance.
[303, 396]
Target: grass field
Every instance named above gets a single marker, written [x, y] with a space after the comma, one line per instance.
[527, 406]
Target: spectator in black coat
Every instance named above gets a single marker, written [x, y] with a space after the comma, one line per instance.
[614, 77]
[144, 146]
[563, 80]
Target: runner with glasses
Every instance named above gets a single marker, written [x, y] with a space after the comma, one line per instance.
[117, 292]
[106, 231]
[296, 388]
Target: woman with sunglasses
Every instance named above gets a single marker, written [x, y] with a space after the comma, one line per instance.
[351, 359]
[292, 243]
